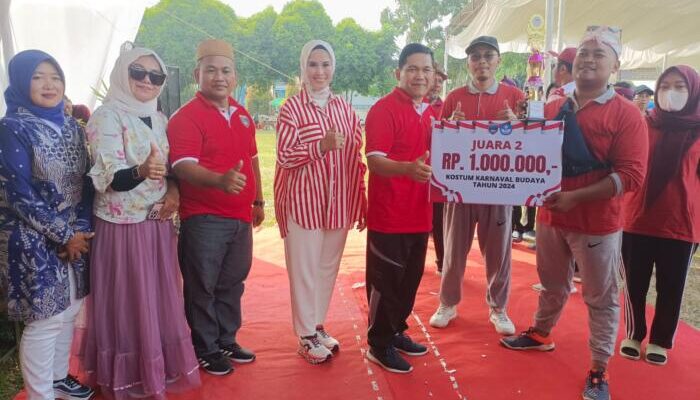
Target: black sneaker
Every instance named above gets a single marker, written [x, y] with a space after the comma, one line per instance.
[69, 388]
[215, 364]
[404, 344]
[237, 353]
[389, 359]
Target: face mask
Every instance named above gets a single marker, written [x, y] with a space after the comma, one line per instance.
[672, 100]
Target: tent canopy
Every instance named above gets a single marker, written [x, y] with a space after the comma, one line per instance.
[83, 35]
[651, 29]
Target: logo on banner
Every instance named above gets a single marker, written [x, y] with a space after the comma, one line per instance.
[493, 129]
[506, 129]
[245, 121]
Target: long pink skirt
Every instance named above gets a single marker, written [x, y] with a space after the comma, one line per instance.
[136, 341]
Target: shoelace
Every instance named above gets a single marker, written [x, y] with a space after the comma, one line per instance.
[501, 317]
[314, 340]
[443, 309]
[322, 332]
[71, 382]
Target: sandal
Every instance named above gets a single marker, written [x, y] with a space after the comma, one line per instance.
[656, 354]
[630, 348]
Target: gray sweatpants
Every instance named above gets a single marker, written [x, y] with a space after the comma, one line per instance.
[598, 259]
[493, 226]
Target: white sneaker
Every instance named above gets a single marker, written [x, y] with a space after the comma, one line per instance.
[502, 323]
[327, 340]
[311, 348]
[443, 316]
[530, 236]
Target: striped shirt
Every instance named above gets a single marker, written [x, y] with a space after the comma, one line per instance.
[316, 190]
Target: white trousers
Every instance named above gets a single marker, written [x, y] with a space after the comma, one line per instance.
[313, 258]
[44, 350]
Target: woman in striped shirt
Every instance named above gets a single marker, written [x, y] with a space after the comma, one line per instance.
[319, 194]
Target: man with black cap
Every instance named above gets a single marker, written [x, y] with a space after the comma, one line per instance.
[482, 99]
[214, 154]
[642, 97]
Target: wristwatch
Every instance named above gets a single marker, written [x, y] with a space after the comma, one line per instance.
[259, 203]
[135, 173]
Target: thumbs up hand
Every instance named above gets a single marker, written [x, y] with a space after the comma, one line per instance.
[154, 166]
[418, 170]
[233, 181]
[458, 114]
[333, 140]
[506, 113]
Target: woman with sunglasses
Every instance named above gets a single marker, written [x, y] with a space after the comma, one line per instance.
[45, 222]
[137, 342]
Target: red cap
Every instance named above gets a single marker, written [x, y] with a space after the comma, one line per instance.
[567, 55]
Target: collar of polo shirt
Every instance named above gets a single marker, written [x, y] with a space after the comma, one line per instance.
[491, 90]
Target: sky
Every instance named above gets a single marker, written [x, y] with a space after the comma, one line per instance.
[364, 12]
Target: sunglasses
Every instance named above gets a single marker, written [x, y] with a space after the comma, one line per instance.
[138, 73]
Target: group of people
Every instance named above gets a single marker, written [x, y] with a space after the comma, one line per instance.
[89, 215]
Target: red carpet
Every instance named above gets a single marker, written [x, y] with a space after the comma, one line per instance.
[466, 361]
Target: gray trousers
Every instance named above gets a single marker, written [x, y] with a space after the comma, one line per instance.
[215, 257]
[598, 259]
[494, 227]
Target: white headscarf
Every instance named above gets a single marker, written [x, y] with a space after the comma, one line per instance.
[320, 96]
[119, 94]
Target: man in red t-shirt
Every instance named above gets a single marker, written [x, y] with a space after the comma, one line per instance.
[483, 98]
[399, 214]
[584, 220]
[214, 155]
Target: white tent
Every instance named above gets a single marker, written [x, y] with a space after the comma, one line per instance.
[655, 33]
[83, 35]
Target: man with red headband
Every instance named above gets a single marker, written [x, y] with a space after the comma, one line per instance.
[604, 155]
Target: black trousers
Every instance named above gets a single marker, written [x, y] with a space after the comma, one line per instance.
[672, 258]
[395, 265]
[517, 216]
[215, 257]
[437, 234]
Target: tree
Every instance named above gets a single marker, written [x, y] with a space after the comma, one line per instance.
[357, 61]
[420, 19]
[299, 22]
[257, 41]
[174, 28]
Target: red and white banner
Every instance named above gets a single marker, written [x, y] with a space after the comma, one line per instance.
[496, 162]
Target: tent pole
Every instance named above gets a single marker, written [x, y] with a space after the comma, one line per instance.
[560, 21]
[445, 59]
[548, 36]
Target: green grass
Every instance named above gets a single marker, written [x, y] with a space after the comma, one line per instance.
[267, 150]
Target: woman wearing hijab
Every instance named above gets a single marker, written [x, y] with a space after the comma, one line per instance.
[662, 227]
[137, 343]
[45, 222]
[319, 194]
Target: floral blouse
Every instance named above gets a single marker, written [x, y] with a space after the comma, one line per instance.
[45, 198]
[119, 140]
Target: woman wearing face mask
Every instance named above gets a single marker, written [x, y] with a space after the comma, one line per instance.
[45, 222]
[662, 226]
[137, 342]
[319, 194]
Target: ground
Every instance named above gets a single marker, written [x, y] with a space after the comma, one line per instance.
[10, 376]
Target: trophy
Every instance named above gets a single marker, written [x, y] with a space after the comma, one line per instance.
[535, 104]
